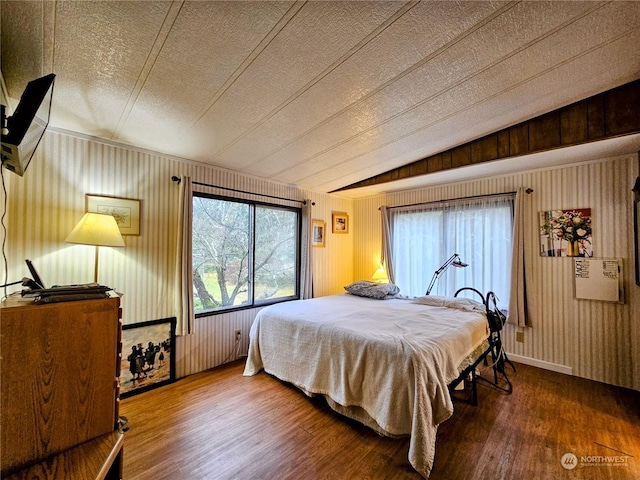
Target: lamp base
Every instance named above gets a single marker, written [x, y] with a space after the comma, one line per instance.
[95, 267]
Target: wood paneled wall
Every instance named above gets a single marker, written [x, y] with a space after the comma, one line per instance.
[45, 204]
[590, 339]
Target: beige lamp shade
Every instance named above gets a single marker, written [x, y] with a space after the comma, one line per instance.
[96, 229]
[99, 230]
[380, 275]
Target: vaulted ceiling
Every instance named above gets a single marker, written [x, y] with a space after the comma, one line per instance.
[321, 94]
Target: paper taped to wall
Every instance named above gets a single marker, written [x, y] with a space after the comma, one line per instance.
[598, 279]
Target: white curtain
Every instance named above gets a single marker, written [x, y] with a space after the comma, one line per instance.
[478, 229]
[184, 266]
[306, 260]
[386, 256]
[519, 303]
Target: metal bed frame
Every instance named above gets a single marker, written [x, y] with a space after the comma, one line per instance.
[499, 358]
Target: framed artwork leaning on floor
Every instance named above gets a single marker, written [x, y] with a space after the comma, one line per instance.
[148, 355]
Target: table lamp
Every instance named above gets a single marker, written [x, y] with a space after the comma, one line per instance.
[99, 230]
[380, 275]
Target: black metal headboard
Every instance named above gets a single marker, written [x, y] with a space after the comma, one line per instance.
[495, 317]
[484, 302]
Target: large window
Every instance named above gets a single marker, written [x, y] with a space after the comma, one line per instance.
[479, 230]
[244, 253]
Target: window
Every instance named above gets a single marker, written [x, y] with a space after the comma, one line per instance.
[245, 254]
[478, 229]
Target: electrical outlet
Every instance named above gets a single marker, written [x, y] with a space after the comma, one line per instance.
[520, 337]
[238, 334]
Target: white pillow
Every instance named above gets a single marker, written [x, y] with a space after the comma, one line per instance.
[459, 303]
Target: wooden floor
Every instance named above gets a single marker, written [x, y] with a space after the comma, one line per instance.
[221, 425]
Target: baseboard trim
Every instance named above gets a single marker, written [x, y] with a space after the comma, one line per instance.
[554, 367]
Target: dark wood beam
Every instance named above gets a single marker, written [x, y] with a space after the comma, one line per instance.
[610, 114]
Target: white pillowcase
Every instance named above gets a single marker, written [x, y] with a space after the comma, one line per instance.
[459, 303]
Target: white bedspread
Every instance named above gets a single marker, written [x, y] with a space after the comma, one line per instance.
[392, 358]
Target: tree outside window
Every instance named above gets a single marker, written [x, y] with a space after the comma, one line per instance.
[244, 253]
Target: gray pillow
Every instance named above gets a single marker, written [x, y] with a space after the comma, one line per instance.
[366, 288]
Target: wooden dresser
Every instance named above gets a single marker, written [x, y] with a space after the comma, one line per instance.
[60, 365]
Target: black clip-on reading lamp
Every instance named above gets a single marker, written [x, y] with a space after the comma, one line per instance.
[452, 260]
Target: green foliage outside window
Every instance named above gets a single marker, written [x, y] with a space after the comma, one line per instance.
[243, 253]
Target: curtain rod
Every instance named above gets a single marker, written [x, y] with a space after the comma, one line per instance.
[528, 190]
[303, 202]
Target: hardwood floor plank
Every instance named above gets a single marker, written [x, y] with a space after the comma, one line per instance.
[221, 425]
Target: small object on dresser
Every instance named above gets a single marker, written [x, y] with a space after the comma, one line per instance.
[71, 293]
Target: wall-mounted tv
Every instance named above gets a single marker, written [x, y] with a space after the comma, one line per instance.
[26, 126]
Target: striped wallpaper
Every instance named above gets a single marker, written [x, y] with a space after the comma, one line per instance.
[592, 339]
[45, 204]
[595, 340]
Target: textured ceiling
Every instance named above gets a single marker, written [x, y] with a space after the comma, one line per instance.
[320, 94]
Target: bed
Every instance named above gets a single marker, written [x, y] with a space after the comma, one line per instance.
[385, 363]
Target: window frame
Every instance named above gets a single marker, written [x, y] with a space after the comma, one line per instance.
[446, 208]
[252, 252]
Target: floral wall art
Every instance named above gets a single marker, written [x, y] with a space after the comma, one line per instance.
[566, 233]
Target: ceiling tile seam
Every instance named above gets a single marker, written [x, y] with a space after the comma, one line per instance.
[391, 81]
[443, 91]
[158, 44]
[385, 145]
[49, 10]
[435, 95]
[246, 63]
[461, 110]
[355, 49]
[424, 127]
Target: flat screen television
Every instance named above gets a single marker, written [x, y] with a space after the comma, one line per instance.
[26, 126]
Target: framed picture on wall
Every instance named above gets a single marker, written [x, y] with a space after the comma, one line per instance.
[566, 233]
[126, 211]
[319, 233]
[339, 222]
[148, 359]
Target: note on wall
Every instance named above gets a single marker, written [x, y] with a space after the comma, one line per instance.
[598, 279]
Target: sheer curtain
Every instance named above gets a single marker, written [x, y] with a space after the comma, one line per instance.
[478, 229]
